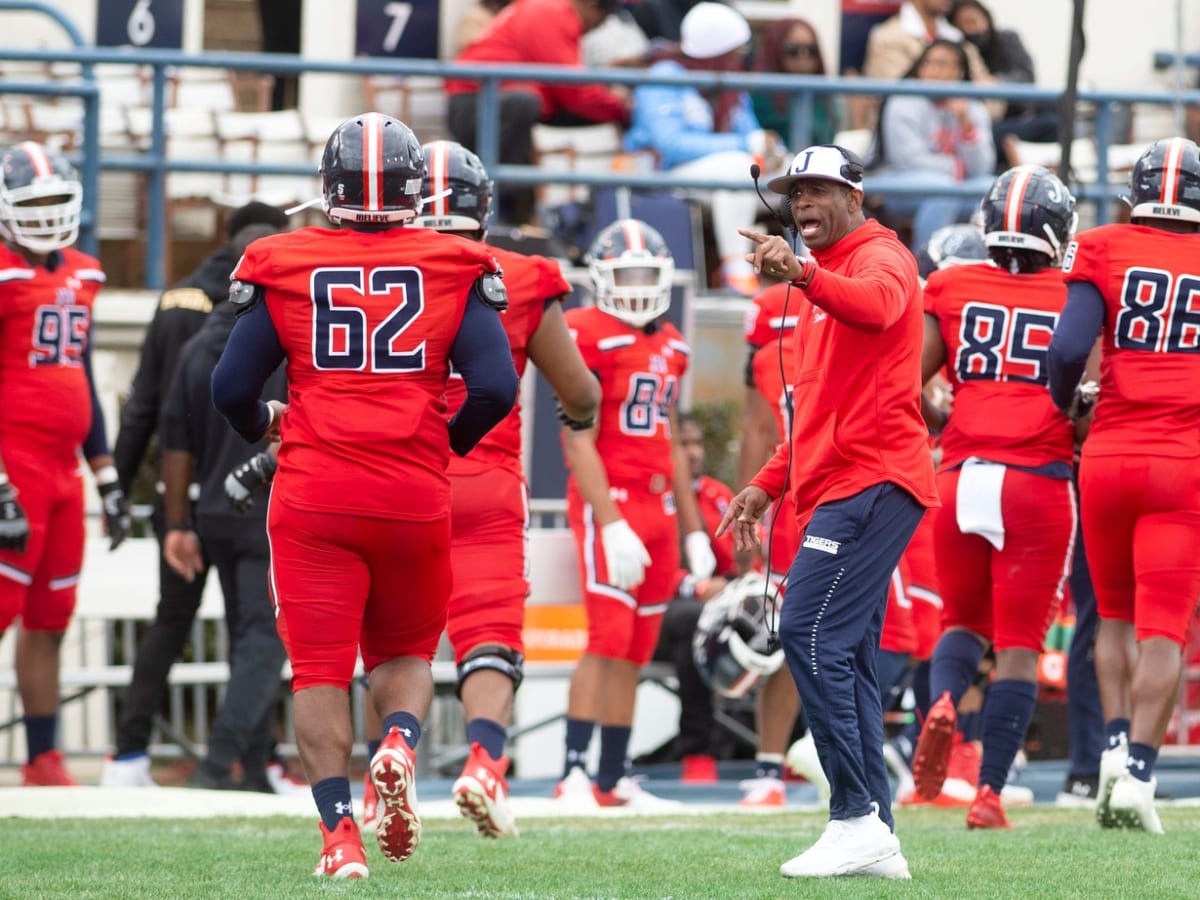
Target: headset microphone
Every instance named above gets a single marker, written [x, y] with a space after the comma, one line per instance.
[789, 226]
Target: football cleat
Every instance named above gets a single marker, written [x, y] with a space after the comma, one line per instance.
[1112, 767]
[343, 855]
[134, 772]
[986, 810]
[931, 759]
[575, 788]
[763, 793]
[393, 771]
[1131, 804]
[47, 770]
[284, 783]
[481, 794]
[1078, 791]
[628, 792]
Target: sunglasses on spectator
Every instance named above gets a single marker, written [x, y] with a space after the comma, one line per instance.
[800, 49]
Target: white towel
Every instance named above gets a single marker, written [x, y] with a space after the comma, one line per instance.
[978, 503]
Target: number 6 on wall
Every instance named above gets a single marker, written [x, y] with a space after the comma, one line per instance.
[340, 339]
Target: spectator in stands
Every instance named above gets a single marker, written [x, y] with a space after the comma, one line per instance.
[697, 728]
[197, 443]
[661, 20]
[709, 135]
[791, 46]
[475, 21]
[894, 45]
[934, 142]
[1008, 61]
[532, 31]
[182, 310]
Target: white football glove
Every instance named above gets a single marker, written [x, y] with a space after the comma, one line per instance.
[698, 549]
[625, 555]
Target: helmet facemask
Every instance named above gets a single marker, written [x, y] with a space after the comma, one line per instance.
[30, 220]
[635, 289]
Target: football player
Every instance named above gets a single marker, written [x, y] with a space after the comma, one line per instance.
[628, 493]
[369, 316]
[49, 413]
[1004, 534]
[1136, 285]
[489, 498]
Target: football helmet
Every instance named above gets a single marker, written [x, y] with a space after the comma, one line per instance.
[732, 646]
[632, 270]
[457, 191]
[31, 176]
[1029, 208]
[951, 245]
[1165, 182]
[371, 171]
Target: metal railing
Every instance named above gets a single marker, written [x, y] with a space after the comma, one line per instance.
[155, 162]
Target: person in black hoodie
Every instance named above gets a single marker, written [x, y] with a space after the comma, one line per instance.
[198, 445]
[182, 310]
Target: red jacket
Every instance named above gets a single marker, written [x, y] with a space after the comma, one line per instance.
[543, 32]
[857, 379]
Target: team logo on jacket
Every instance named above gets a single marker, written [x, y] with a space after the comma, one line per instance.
[825, 545]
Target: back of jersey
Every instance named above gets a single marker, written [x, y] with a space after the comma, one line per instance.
[1150, 281]
[367, 321]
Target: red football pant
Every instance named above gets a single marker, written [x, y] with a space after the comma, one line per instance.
[341, 582]
[1141, 531]
[489, 552]
[1008, 596]
[39, 585]
[625, 625]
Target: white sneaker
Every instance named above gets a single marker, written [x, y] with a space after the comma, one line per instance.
[575, 789]
[802, 759]
[1016, 795]
[863, 845]
[628, 792]
[128, 773]
[763, 793]
[1112, 767]
[1131, 804]
[285, 784]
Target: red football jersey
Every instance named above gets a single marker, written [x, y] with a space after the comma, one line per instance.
[1150, 281]
[766, 316]
[773, 382]
[532, 283]
[713, 498]
[997, 328]
[639, 381]
[45, 324]
[367, 338]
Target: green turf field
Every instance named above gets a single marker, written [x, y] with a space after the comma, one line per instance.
[1052, 853]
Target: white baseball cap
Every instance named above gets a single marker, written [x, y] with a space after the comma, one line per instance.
[827, 161]
[712, 29]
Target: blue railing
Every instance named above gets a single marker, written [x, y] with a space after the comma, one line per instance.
[802, 88]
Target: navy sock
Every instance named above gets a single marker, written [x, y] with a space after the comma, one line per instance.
[373, 748]
[1116, 732]
[1006, 716]
[579, 737]
[614, 747]
[921, 702]
[1142, 758]
[41, 734]
[128, 757]
[488, 734]
[408, 724]
[769, 767]
[333, 800]
[954, 664]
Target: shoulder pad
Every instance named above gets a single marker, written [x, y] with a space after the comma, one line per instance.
[186, 298]
[244, 295]
[491, 290]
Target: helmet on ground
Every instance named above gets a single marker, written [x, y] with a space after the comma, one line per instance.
[457, 191]
[371, 171]
[732, 646]
[1165, 182]
[951, 245]
[632, 269]
[41, 199]
[1029, 208]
